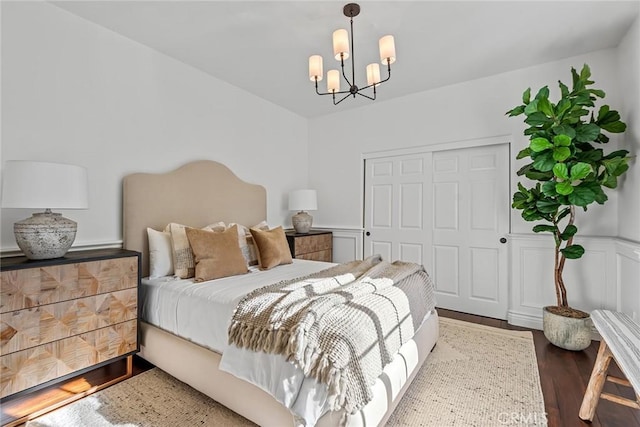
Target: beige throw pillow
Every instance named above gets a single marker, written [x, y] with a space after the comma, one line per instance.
[217, 253]
[183, 263]
[272, 246]
[247, 246]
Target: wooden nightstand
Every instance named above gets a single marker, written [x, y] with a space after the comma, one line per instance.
[65, 316]
[316, 245]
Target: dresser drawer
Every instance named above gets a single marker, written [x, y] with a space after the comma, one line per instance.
[325, 255]
[32, 287]
[30, 327]
[315, 243]
[28, 368]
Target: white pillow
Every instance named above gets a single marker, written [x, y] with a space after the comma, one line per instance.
[160, 254]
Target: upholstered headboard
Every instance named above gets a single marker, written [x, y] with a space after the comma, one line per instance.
[196, 194]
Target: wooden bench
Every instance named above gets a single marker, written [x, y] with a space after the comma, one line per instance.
[620, 341]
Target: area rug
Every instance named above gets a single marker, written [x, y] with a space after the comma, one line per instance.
[476, 376]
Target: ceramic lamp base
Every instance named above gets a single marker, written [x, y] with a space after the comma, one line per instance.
[302, 222]
[45, 235]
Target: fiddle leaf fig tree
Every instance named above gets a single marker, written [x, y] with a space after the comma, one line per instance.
[566, 164]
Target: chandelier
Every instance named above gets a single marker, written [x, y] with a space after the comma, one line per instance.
[341, 52]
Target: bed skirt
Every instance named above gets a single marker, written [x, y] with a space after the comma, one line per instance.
[198, 367]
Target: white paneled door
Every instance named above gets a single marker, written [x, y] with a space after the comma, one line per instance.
[397, 208]
[451, 216]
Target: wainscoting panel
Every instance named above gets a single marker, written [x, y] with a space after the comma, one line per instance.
[628, 278]
[591, 281]
[347, 243]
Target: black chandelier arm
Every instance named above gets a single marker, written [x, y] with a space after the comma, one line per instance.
[353, 59]
[343, 98]
[329, 93]
[344, 76]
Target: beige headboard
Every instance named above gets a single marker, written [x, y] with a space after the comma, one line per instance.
[196, 194]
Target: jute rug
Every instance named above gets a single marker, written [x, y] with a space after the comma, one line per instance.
[476, 376]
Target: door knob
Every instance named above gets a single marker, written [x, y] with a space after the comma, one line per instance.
[503, 240]
[367, 234]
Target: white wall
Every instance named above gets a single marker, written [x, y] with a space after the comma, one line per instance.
[628, 64]
[74, 92]
[469, 110]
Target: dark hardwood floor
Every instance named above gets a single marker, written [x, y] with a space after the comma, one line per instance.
[563, 375]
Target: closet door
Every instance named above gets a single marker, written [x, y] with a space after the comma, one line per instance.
[397, 215]
[471, 219]
[448, 210]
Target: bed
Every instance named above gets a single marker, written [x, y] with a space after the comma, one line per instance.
[198, 194]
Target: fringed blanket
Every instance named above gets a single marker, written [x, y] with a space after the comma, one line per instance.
[340, 326]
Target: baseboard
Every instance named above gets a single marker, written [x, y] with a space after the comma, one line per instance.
[524, 320]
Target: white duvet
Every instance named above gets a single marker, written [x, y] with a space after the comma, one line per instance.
[201, 312]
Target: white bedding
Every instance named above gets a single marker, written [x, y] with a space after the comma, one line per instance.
[201, 312]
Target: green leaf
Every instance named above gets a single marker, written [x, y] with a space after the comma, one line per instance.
[523, 153]
[560, 154]
[516, 111]
[563, 105]
[597, 92]
[544, 162]
[561, 140]
[564, 130]
[563, 213]
[543, 93]
[582, 196]
[545, 106]
[585, 73]
[526, 96]
[590, 156]
[618, 153]
[565, 188]
[615, 127]
[537, 118]
[580, 171]
[531, 108]
[547, 206]
[564, 90]
[587, 132]
[549, 189]
[602, 113]
[611, 181]
[540, 144]
[573, 251]
[561, 170]
[542, 228]
[569, 232]
[535, 175]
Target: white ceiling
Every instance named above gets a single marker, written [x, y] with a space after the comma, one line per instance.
[263, 46]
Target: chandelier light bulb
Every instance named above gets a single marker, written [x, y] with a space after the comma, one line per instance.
[341, 44]
[333, 81]
[387, 50]
[315, 68]
[373, 74]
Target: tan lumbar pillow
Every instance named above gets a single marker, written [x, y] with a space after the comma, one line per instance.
[272, 246]
[217, 253]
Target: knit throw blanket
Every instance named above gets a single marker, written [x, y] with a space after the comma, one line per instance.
[340, 326]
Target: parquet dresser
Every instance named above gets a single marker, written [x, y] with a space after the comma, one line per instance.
[316, 245]
[65, 316]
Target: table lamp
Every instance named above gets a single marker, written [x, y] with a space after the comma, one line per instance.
[301, 201]
[42, 185]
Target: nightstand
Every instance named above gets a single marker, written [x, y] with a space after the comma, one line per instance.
[64, 316]
[316, 245]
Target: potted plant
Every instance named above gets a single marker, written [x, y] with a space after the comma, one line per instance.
[566, 170]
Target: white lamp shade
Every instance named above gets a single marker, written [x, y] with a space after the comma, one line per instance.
[333, 81]
[387, 50]
[42, 185]
[303, 200]
[341, 44]
[373, 74]
[315, 68]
